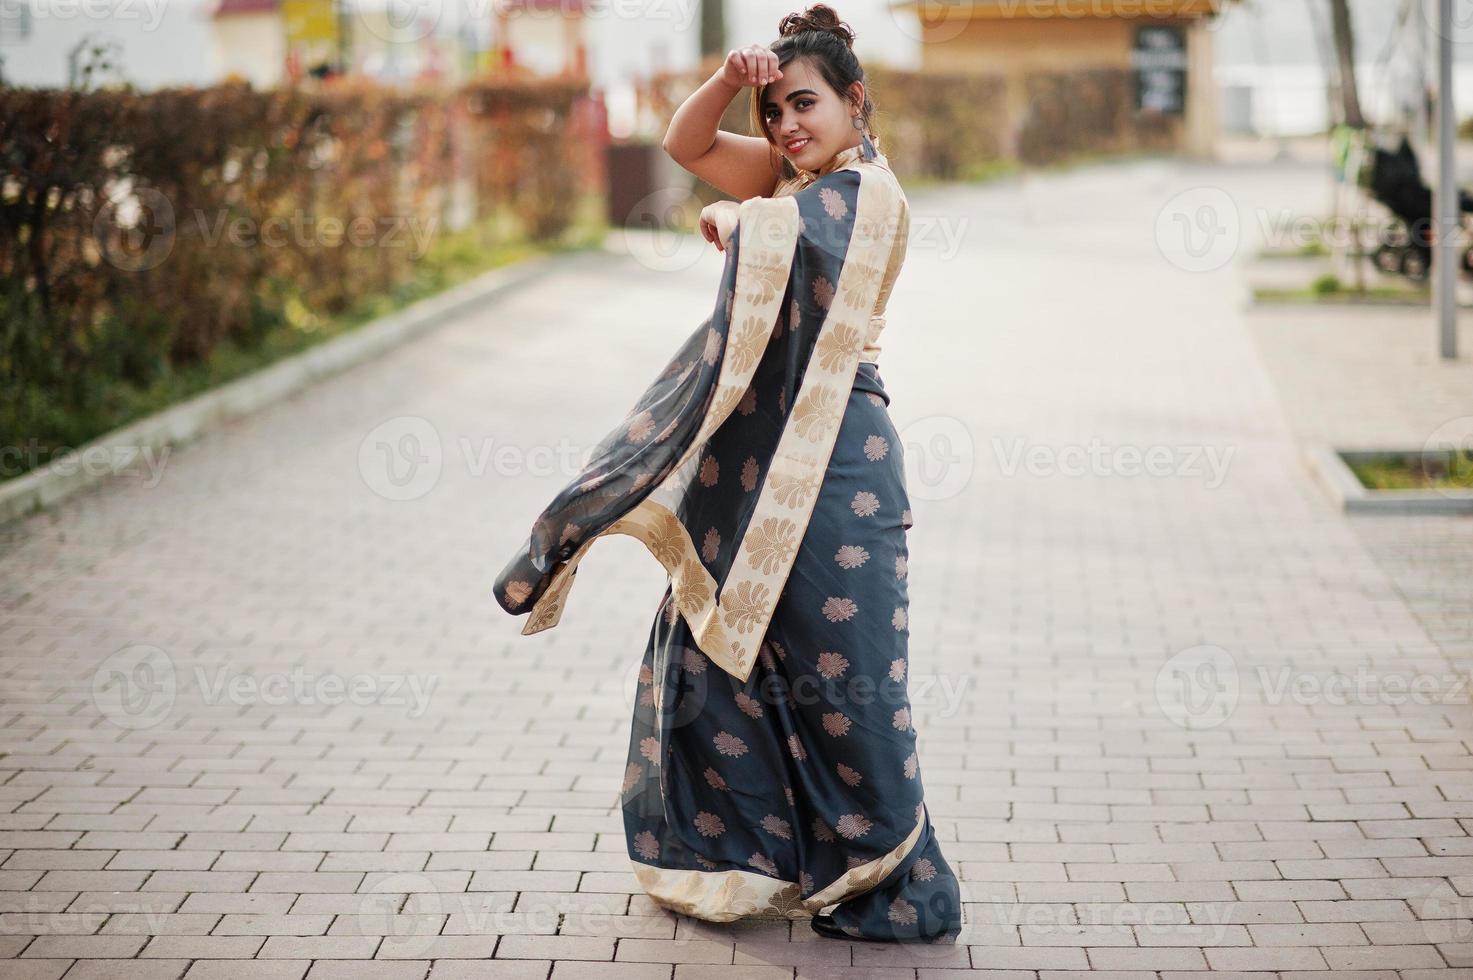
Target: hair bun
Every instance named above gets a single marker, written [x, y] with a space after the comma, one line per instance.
[818, 17]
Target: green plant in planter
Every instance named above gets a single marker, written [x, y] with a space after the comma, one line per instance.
[1326, 284]
[1416, 471]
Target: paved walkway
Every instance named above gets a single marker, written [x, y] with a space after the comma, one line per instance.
[262, 717]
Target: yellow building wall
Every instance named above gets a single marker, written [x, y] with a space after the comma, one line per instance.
[1012, 46]
[993, 45]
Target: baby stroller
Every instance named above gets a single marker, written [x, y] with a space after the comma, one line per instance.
[1395, 180]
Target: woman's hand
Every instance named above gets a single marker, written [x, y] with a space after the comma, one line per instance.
[718, 220]
[754, 65]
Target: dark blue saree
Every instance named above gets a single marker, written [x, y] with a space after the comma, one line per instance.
[772, 765]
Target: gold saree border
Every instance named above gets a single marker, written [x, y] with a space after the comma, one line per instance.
[788, 495]
[725, 896]
[730, 626]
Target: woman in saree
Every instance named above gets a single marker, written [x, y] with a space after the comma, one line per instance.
[772, 766]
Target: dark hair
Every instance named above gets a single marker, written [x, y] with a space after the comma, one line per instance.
[817, 33]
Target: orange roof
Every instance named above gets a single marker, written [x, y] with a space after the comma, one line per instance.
[228, 8]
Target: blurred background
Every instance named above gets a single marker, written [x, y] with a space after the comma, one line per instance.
[1272, 66]
[504, 127]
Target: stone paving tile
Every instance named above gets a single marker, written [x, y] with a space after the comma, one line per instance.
[127, 970]
[494, 970]
[1135, 617]
[248, 970]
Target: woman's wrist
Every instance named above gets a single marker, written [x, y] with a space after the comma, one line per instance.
[719, 77]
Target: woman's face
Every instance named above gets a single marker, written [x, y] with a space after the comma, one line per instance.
[806, 118]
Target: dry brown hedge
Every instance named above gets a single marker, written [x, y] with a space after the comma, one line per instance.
[143, 228]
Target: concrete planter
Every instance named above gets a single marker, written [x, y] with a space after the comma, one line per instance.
[1331, 467]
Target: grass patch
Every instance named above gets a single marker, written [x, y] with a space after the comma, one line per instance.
[1314, 249]
[1451, 470]
[1324, 290]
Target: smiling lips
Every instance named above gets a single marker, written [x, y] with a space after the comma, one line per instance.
[797, 145]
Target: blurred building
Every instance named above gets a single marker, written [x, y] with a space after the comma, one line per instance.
[547, 37]
[1167, 45]
[1271, 60]
[404, 44]
[249, 41]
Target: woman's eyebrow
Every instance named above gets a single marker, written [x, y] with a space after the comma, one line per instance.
[791, 95]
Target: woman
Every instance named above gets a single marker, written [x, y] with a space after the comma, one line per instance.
[772, 765]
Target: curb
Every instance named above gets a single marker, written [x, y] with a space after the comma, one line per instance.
[1328, 464]
[181, 423]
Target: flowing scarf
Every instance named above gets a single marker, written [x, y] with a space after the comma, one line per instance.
[793, 311]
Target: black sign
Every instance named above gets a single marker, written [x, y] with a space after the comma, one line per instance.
[1160, 62]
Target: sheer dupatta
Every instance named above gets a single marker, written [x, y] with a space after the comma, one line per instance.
[717, 483]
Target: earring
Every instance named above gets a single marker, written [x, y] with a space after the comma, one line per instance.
[858, 122]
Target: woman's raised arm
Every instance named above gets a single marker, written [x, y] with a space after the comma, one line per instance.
[739, 165]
